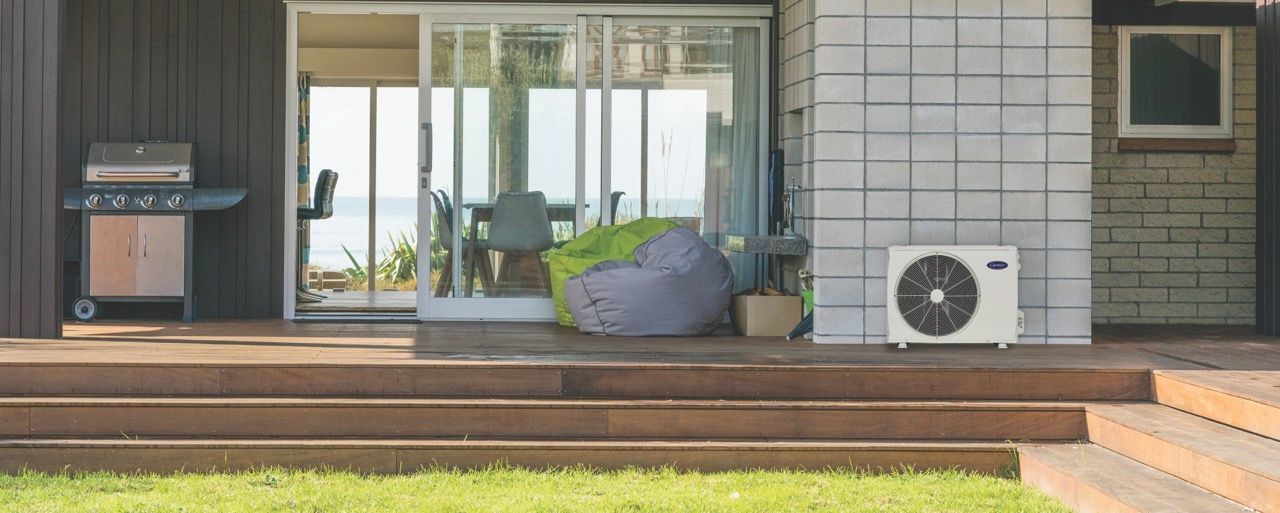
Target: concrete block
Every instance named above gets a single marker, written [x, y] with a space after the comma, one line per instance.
[1023, 148]
[1023, 234]
[888, 147]
[978, 176]
[933, 176]
[889, 31]
[929, 60]
[888, 59]
[890, 89]
[1075, 264]
[983, 119]
[978, 148]
[888, 204]
[978, 205]
[978, 8]
[978, 32]
[888, 118]
[1025, 8]
[1031, 32]
[1069, 177]
[1070, 90]
[1069, 293]
[933, 8]
[933, 205]
[1023, 205]
[1024, 90]
[1023, 177]
[839, 291]
[839, 117]
[933, 89]
[1073, 119]
[882, 234]
[1024, 120]
[829, 30]
[1024, 61]
[1074, 206]
[888, 8]
[933, 118]
[978, 232]
[838, 146]
[888, 175]
[838, 233]
[933, 233]
[1070, 62]
[1069, 235]
[933, 147]
[1069, 322]
[933, 31]
[839, 88]
[841, 59]
[985, 90]
[1071, 8]
[1071, 32]
[1032, 292]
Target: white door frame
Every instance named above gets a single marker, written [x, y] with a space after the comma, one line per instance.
[531, 309]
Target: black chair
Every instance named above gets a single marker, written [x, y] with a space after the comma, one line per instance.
[321, 208]
[614, 199]
[444, 233]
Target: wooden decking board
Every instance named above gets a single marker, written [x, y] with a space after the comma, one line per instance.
[1092, 479]
[410, 455]
[378, 418]
[1235, 464]
[493, 379]
[1248, 400]
[451, 342]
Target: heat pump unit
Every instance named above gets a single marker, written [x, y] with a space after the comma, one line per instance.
[953, 294]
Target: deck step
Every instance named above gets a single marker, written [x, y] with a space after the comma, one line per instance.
[1089, 478]
[1249, 400]
[486, 379]
[1235, 464]
[203, 417]
[388, 456]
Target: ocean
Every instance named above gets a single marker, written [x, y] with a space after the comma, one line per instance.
[350, 224]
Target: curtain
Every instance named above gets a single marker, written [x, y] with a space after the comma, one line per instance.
[304, 168]
[304, 139]
[740, 204]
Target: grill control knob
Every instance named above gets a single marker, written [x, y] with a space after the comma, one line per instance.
[149, 201]
[94, 201]
[177, 201]
[121, 201]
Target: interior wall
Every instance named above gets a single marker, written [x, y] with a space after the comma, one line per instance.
[30, 192]
[194, 71]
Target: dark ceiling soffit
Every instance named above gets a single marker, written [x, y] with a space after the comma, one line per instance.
[1145, 12]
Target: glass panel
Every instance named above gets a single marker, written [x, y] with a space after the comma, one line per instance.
[509, 145]
[685, 131]
[396, 232]
[1175, 79]
[340, 141]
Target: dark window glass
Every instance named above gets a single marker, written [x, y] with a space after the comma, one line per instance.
[1175, 79]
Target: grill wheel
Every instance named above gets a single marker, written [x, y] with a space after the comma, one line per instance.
[937, 295]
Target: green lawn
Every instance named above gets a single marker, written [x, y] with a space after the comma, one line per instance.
[506, 490]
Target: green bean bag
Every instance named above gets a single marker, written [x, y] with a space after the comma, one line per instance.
[597, 245]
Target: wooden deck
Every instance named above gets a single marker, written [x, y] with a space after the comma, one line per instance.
[275, 341]
[1145, 419]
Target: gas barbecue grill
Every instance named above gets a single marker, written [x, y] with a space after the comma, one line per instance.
[136, 217]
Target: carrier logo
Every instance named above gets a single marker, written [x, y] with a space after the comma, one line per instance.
[997, 265]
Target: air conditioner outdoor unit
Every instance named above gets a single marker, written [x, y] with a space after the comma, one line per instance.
[953, 294]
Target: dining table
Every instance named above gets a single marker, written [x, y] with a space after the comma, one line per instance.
[483, 213]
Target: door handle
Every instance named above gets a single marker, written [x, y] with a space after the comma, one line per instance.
[128, 246]
[427, 148]
[144, 245]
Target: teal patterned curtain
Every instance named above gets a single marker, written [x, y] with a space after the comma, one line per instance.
[304, 168]
[304, 139]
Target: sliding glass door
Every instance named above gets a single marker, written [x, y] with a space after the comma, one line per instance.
[538, 128]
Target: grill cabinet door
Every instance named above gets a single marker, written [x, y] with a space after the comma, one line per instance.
[113, 255]
[161, 261]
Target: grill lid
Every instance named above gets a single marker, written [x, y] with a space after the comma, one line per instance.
[139, 162]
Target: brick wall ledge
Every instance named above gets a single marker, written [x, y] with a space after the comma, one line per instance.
[1176, 144]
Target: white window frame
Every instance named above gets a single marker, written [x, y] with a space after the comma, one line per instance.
[1224, 129]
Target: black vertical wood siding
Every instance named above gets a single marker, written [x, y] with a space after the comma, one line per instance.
[199, 71]
[1268, 273]
[30, 197]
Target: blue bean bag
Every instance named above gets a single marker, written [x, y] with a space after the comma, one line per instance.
[678, 286]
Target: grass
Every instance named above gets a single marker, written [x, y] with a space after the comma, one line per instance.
[516, 490]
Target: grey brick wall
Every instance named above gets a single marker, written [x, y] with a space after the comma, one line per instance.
[946, 122]
[1173, 233]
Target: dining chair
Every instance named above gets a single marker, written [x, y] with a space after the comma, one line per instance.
[444, 233]
[321, 208]
[521, 229]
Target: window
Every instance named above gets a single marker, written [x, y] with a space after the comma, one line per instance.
[1175, 82]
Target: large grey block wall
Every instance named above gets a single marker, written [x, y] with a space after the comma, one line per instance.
[928, 122]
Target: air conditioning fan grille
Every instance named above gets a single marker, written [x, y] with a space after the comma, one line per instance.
[937, 295]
